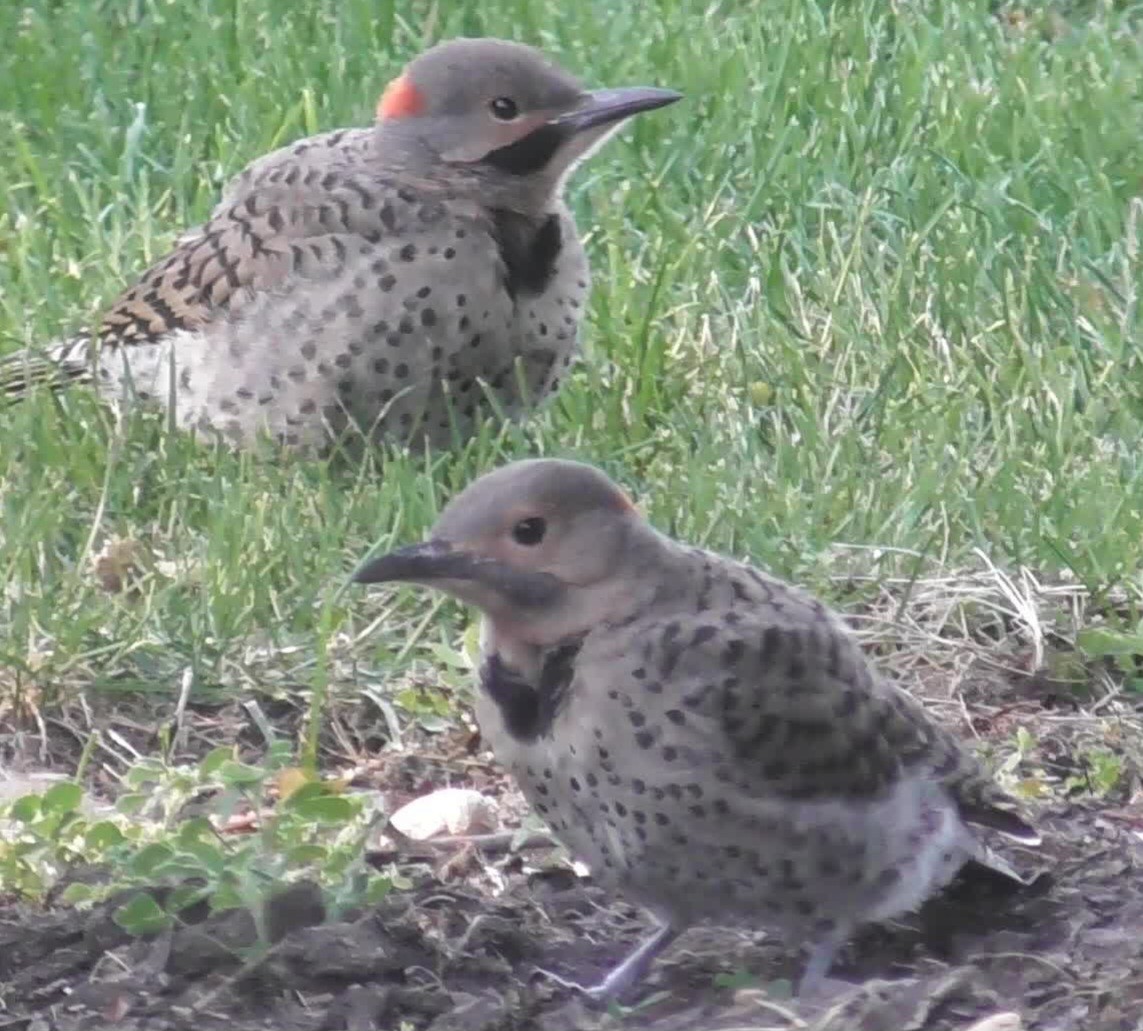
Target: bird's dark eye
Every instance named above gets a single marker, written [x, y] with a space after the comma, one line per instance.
[503, 108]
[529, 532]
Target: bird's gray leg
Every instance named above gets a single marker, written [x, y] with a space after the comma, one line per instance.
[636, 964]
[630, 971]
[822, 954]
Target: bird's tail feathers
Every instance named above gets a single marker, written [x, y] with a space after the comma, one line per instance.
[55, 367]
[988, 865]
[1003, 821]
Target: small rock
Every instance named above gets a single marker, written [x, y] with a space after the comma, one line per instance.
[999, 1022]
[450, 811]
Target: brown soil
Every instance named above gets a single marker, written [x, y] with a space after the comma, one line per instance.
[1065, 953]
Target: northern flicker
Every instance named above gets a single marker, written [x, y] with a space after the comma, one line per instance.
[708, 738]
[399, 279]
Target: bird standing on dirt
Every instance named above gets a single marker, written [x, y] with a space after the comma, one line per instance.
[708, 738]
[388, 279]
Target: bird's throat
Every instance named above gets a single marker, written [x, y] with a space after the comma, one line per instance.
[529, 248]
[529, 700]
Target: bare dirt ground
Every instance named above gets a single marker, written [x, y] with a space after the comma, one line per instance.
[459, 951]
[1066, 954]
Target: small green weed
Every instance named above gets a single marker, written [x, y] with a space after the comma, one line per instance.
[232, 851]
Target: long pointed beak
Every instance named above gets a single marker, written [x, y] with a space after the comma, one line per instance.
[605, 106]
[418, 563]
[437, 563]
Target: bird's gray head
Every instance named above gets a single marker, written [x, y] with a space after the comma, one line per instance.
[541, 546]
[505, 110]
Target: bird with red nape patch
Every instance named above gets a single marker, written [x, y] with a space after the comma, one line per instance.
[398, 281]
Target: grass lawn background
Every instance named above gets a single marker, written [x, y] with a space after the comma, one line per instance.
[867, 302]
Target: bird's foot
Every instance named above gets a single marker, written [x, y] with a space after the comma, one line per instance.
[594, 992]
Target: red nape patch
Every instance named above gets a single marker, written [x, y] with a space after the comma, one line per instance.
[624, 503]
[401, 99]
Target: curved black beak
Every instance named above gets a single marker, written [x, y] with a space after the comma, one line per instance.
[604, 106]
[437, 563]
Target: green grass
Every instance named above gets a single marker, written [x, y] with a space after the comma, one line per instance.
[875, 283]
